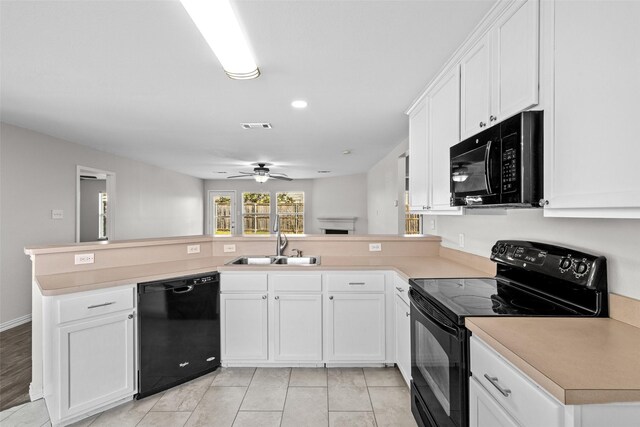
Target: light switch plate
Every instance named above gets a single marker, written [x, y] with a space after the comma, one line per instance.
[57, 214]
[84, 259]
[193, 249]
[229, 248]
[375, 247]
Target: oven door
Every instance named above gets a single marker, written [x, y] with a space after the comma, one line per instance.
[475, 176]
[438, 366]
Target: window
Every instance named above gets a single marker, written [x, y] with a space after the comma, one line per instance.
[256, 213]
[290, 208]
[412, 222]
[102, 216]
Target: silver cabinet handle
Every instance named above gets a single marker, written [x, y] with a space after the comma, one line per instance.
[543, 203]
[331, 297]
[482, 124]
[408, 314]
[494, 381]
[399, 289]
[493, 118]
[101, 305]
[277, 298]
[264, 297]
[182, 365]
[130, 316]
[424, 207]
[356, 283]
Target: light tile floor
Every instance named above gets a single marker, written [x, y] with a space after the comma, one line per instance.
[262, 397]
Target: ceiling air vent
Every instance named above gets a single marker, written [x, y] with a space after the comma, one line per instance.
[256, 125]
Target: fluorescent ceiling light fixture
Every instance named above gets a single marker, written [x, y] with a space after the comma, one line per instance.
[299, 104]
[220, 28]
[261, 178]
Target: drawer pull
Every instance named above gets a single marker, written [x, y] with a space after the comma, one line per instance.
[356, 283]
[101, 305]
[182, 365]
[494, 381]
[399, 289]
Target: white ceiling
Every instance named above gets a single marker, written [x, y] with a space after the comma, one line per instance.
[135, 78]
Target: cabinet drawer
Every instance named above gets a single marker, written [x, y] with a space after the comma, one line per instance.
[355, 282]
[402, 289]
[253, 282]
[526, 401]
[296, 282]
[88, 304]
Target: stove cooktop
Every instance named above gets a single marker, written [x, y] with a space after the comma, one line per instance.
[486, 297]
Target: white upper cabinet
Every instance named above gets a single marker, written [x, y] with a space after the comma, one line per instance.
[499, 73]
[444, 131]
[418, 171]
[591, 127]
[475, 85]
[515, 41]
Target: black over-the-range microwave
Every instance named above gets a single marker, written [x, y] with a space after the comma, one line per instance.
[501, 166]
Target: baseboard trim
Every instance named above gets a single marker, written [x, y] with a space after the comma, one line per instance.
[15, 322]
[35, 394]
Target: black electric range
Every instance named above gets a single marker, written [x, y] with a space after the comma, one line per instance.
[533, 279]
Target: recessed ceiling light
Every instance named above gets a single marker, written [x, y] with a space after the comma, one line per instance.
[299, 104]
[219, 172]
[324, 171]
[345, 152]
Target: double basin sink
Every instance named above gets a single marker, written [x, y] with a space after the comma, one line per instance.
[275, 260]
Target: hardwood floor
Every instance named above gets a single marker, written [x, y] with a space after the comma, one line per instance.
[15, 366]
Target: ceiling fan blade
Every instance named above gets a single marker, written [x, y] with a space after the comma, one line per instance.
[279, 174]
[240, 176]
[284, 178]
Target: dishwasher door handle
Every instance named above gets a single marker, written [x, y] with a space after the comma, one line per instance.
[186, 289]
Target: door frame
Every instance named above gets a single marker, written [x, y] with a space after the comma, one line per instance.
[111, 194]
[211, 213]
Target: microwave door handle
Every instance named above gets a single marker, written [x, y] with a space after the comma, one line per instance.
[487, 167]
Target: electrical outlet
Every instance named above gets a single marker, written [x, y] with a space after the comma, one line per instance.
[193, 249]
[461, 240]
[57, 214]
[84, 259]
[229, 248]
[375, 247]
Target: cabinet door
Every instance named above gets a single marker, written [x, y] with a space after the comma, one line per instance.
[243, 319]
[418, 170]
[591, 147]
[484, 411]
[515, 61]
[298, 327]
[356, 327]
[444, 131]
[96, 362]
[403, 338]
[475, 90]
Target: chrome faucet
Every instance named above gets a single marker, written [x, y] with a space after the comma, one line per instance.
[281, 239]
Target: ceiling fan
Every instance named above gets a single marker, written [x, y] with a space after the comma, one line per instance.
[261, 174]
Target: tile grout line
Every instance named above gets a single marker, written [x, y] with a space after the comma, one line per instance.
[202, 397]
[375, 419]
[286, 395]
[244, 396]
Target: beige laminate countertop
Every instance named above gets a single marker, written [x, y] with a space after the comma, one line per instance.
[577, 360]
[63, 283]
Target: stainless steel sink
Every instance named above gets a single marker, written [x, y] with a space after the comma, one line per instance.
[274, 260]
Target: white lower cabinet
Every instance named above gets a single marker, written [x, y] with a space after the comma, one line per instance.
[89, 352]
[297, 327]
[484, 411]
[244, 326]
[355, 327]
[403, 338]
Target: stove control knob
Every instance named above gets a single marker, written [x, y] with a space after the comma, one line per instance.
[565, 263]
[503, 249]
[494, 249]
[581, 268]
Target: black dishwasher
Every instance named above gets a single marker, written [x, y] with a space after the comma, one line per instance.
[179, 324]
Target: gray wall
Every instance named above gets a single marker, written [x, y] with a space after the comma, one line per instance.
[617, 239]
[385, 185]
[336, 196]
[89, 208]
[38, 173]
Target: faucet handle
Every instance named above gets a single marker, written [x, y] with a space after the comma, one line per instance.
[297, 253]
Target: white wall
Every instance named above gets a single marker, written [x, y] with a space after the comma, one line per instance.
[338, 196]
[385, 185]
[618, 240]
[38, 173]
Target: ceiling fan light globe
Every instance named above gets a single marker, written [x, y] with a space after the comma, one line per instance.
[261, 178]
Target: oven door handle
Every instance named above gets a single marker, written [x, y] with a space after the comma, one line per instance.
[442, 326]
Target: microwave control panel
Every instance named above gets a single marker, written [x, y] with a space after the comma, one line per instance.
[509, 170]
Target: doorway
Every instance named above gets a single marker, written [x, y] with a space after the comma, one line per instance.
[222, 211]
[95, 201]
